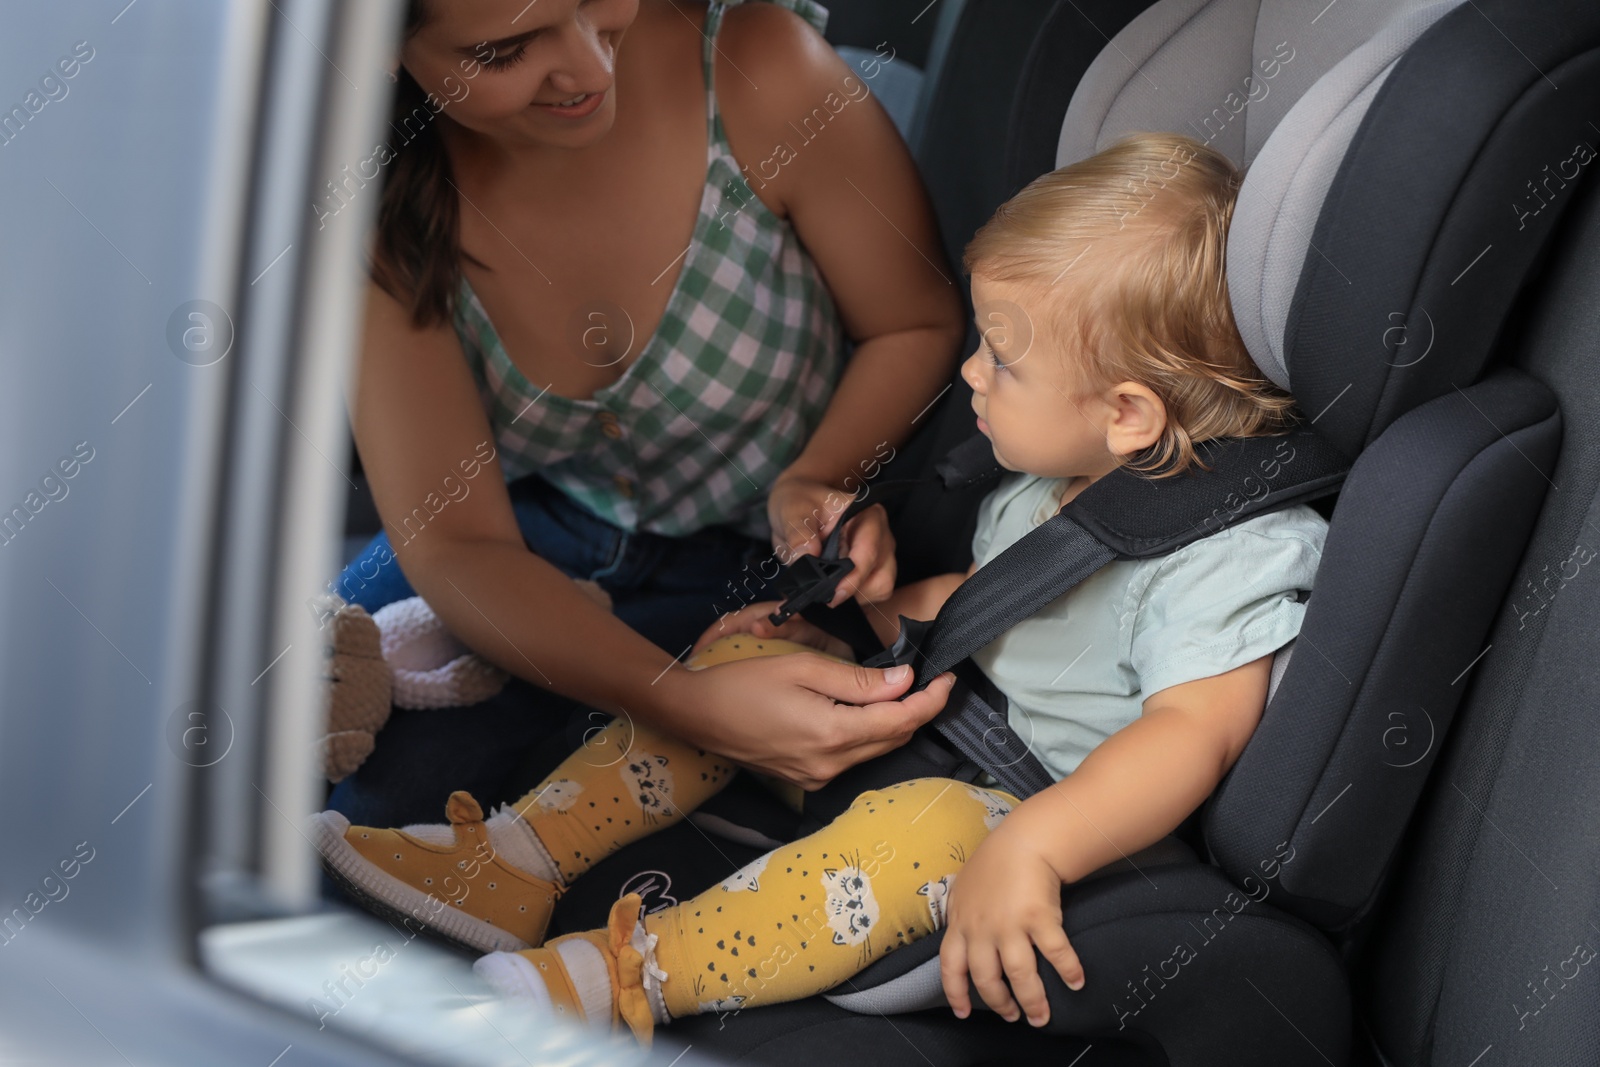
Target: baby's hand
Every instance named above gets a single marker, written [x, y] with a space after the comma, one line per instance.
[803, 512]
[752, 619]
[1005, 901]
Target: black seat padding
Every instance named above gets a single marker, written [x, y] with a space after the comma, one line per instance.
[1477, 946]
[1427, 532]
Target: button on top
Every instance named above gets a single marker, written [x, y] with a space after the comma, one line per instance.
[611, 429]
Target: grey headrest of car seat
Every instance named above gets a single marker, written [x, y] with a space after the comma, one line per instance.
[1280, 91]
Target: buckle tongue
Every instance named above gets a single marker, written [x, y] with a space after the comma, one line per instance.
[814, 580]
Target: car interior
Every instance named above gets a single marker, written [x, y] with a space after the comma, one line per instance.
[1399, 869]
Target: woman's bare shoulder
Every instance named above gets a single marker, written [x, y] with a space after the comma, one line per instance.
[774, 52]
[762, 48]
[389, 330]
[774, 72]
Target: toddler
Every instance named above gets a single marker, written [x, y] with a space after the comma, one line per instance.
[1107, 340]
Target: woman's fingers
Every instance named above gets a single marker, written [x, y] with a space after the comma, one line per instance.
[787, 551]
[753, 619]
[883, 720]
[800, 631]
[822, 640]
[795, 537]
[800, 529]
[869, 543]
[888, 725]
[850, 683]
[807, 732]
[721, 628]
[801, 513]
[742, 621]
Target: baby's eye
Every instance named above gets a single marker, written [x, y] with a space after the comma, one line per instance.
[994, 358]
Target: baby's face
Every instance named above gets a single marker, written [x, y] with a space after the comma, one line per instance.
[1033, 402]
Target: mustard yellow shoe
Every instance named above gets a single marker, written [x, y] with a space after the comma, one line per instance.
[605, 969]
[448, 879]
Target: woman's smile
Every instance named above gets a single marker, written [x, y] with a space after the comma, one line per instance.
[577, 107]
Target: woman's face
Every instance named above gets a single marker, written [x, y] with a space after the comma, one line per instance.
[539, 73]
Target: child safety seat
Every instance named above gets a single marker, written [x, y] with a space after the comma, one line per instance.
[1407, 165]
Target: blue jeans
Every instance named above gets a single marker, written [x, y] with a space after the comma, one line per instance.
[669, 589]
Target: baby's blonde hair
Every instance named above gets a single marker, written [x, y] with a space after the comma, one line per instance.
[1156, 313]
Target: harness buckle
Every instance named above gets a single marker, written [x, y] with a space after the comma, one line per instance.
[813, 579]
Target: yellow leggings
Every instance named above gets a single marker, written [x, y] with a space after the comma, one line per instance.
[800, 920]
[811, 915]
[625, 782]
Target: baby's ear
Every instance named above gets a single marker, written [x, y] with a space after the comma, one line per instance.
[1138, 417]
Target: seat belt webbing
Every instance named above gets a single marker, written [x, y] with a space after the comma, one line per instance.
[1042, 565]
[1061, 552]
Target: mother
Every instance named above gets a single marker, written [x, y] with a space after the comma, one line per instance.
[627, 266]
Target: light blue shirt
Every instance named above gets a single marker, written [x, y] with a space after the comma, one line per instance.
[1081, 669]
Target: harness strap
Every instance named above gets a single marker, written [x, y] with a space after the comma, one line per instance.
[1045, 563]
[975, 722]
[810, 580]
[1041, 566]
[1123, 515]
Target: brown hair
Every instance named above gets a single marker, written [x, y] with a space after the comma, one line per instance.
[417, 255]
[1158, 313]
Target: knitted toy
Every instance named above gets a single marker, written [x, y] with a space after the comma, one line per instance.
[400, 656]
[359, 689]
[431, 669]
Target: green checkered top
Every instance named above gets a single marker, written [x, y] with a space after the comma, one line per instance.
[719, 400]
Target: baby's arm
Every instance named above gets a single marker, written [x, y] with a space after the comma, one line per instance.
[1135, 787]
[915, 600]
[1132, 790]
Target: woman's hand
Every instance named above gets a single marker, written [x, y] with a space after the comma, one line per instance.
[803, 511]
[1005, 901]
[752, 619]
[802, 718]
